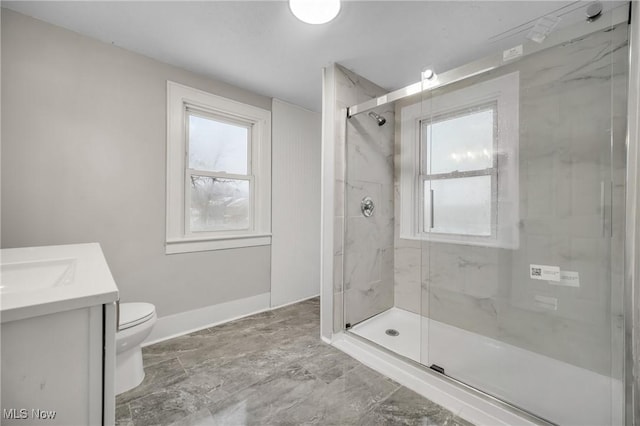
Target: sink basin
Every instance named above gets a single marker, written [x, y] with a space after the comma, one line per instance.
[23, 277]
[36, 281]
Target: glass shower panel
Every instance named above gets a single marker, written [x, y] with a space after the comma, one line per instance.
[368, 250]
[381, 276]
[519, 214]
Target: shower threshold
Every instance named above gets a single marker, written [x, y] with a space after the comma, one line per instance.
[547, 387]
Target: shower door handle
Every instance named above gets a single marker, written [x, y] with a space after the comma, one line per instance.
[606, 192]
[432, 220]
[602, 214]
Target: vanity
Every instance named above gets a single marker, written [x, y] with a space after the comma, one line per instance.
[57, 333]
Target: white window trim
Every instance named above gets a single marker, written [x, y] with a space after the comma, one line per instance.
[178, 239]
[504, 91]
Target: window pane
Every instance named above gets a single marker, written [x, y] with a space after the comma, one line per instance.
[461, 206]
[219, 204]
[215, 146]
[459, 143]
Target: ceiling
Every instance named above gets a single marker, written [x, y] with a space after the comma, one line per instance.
[260, 46]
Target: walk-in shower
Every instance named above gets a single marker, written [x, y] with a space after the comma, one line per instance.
[495, 252]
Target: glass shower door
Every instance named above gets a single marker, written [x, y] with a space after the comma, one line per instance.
[376, 306]
[368, 221]
[519, 188]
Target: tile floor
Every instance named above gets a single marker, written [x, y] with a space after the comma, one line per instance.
[268, 369]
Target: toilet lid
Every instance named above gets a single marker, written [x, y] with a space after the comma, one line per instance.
[135, 313]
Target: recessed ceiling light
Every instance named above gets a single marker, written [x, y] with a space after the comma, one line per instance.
[315, 11]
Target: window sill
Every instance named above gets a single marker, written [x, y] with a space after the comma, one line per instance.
[461, 240]
[189, 245]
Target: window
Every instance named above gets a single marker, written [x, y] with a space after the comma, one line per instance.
[458, 172]
[218, 172]
[459, 166]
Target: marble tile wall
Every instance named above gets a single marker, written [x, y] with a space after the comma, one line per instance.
[363, 247]
[572, 136]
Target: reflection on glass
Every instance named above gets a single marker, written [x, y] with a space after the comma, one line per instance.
[215, 146]
[461, 206]
[219, 204]
[460, 143]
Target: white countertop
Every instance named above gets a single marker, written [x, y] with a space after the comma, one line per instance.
[79, 273]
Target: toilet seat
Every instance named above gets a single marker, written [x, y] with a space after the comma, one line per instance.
[132, 314]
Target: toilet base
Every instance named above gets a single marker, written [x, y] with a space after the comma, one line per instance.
[129, 369]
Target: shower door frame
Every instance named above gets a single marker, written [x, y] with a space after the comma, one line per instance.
[631, 289]
[632, 230]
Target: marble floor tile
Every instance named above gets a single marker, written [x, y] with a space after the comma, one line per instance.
[223, 348]
[286, 330]
[267, 369]
[232, 377]
[166, 406]
[327, 364]
[123, 415]
[157, 376]
[342, 402]
[262, 402]
[178, 345]
[405, 407]
[181, 399]
[309, 308]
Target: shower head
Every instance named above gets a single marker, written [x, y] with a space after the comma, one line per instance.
[380, 119]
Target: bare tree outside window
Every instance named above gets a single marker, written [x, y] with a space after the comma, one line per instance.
[218, 203]
[218, 174]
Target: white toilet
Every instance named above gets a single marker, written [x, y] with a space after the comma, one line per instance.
[135, 324]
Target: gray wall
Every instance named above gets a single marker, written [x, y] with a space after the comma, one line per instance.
[83, 159]
[295, 222]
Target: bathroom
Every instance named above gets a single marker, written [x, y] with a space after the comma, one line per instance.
[340, 212]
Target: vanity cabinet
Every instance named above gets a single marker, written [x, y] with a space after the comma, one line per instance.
[58, 358]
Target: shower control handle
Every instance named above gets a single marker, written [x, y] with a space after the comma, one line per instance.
[432, 220]
[367, 206]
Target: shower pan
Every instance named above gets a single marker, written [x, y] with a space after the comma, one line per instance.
[480, 223]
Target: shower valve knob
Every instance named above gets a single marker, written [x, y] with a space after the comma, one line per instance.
[367, 207]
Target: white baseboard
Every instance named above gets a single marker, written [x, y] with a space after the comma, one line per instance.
[187, 322]
[471, 407]
[295, 301]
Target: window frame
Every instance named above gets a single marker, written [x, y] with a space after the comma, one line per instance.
[489, 171]
[189, 172]
[504, 93]
[183, 101]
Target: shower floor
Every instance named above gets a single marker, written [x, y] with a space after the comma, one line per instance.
[407, 343]
[552, 389]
